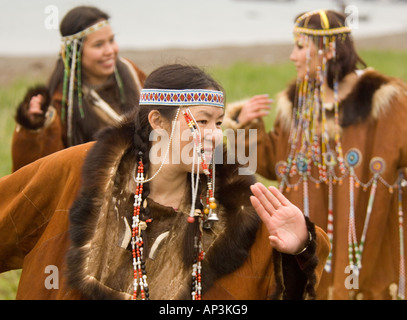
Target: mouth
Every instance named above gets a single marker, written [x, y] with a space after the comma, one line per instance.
[108, 63]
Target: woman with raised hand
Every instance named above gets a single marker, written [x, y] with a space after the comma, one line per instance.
[90, 88]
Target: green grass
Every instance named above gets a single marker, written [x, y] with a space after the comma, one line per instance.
[393, 63]
[10, 96]
[241, 80]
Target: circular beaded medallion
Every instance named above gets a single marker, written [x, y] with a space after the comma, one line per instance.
[280, 168]
[329, 159]
[377, 165]
[353, 157]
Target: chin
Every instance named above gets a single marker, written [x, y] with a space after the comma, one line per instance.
[108, 71]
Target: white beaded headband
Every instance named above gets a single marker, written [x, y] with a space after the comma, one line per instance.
[189, 97]
[85, 32]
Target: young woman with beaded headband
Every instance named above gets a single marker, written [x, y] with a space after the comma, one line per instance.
[141, 229]
[90, 88]
[338, 149]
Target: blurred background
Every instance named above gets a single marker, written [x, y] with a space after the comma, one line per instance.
[31, 27]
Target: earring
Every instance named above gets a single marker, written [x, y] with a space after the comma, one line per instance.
[209, 171]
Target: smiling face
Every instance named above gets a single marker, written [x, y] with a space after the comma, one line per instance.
[208, 119]
[99, 55]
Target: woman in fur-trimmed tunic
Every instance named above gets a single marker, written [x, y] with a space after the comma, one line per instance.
[87, 225]
[363, 201]
[90, 88]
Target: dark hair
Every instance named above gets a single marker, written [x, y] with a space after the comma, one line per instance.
[80, 18]
[347, 59]
[177, 77]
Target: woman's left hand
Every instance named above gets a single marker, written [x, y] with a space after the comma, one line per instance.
[284, 221]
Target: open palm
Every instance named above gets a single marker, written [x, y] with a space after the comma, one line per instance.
[284, 221]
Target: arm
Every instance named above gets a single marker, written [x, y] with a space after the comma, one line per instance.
[32, 110]
[38, 131]
[29, 199]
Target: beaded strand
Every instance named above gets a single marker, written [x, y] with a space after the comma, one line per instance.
[140, 276]
[402, 278]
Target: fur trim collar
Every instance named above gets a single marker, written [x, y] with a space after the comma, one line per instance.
[370, 97]
[99, 260]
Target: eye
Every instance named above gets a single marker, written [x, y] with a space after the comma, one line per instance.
[219, 123]
[98, 44]
[203, 122]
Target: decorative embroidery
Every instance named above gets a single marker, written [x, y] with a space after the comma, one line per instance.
[181, 97]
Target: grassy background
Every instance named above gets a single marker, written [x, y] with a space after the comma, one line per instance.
[241, 80]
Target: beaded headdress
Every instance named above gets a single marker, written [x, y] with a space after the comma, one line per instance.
[326, 29]
[309, 123]
[178, 98]
[71, 53]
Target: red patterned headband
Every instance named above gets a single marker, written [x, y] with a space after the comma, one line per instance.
[178, 98]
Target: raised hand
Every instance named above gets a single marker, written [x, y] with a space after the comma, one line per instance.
[284, 221]
[35, 105]
[256, 107]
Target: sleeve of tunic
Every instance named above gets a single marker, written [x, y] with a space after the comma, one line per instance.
[29, 199]
[31, 143]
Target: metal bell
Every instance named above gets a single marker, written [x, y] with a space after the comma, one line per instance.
[212, 216]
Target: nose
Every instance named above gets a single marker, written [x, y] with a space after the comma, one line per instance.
[109, 48]
[293, 55]
[212, 136]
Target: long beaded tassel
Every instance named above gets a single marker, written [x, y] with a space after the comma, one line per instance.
[196, 291]
[402, 278]
[353, 246]
[330, 228]
[139, 269]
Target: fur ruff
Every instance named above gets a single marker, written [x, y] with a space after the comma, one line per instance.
[22, 110]
[370, 98]
[99, 261]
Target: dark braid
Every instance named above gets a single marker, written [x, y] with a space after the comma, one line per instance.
[141, 143]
